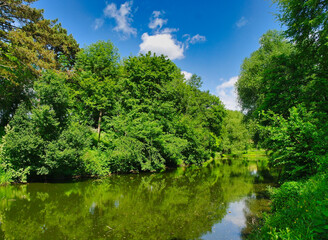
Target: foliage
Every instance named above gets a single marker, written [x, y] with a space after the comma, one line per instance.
[296, 142]
[290, 86]
[251, 82]
[306, 23]
[150, 128]
[195, 81]
[299, 211]
[307, 28]
[96, 77]
[101, 59]
[29, 44]
[42, 141]
[288, 81]
[64, 155]
[147, 118]
[235, 135]
[27, 40]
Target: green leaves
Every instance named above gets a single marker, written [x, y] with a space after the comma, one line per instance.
[299, 210]
[235, 134]
[100, 59]
[284, 85]
[104, 117]
[296, 142]
[37, 44]
[252, 82]
[41, 140]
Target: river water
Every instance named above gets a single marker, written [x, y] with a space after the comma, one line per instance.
[219, 201]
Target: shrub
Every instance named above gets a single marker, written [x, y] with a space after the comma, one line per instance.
[300, 211]
[298, 142]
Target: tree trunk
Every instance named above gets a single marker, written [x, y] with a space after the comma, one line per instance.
[99, 125]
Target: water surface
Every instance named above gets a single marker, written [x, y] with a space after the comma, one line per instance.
[219, 201]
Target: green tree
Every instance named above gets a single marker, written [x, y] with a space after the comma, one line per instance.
[291, 95]
[97, 75]
[195, 81]
[42, 140]
[235, 134]
[298, 143]
[27, 48]
[251, 83]
[306, 23]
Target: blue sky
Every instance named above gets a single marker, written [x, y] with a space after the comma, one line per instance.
[210, 37]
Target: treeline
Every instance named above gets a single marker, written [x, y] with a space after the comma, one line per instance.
[236, 134]
[67, 111]
[283, 86]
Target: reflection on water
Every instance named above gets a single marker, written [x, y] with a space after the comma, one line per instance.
[218, 201]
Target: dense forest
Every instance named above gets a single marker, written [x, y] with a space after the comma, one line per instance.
[66, 111]
[283, 87]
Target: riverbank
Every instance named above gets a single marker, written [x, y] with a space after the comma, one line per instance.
[252, 154]
[299, 210]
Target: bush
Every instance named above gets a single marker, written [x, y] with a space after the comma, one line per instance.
[96, 163]
[298, 142]
[64, 155]
[300, 211]
[42, 140]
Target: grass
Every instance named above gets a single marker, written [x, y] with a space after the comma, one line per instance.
[251, 155]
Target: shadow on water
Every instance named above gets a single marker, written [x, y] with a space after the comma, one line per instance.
[218, 201]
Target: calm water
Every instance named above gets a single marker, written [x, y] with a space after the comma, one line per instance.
[219, 201]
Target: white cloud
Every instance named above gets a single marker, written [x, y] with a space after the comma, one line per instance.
[162, 43]
[197, 38]
[156, 21]
[98, 23]
[186, 74]
[236, 215]
[241, 22]
[228, 84]
[122, 16]
[169, 30]
[227, 94]
[157, 13]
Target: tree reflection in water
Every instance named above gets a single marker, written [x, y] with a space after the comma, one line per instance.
[187, 203]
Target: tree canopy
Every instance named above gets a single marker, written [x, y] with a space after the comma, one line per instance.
[136, 115]
[29, 45]
[284, 85]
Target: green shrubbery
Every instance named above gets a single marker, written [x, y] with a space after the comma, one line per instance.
[300, 211]
[298, 143]
[236, 136]
[43, 140]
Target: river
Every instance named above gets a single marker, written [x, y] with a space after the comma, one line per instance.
[219, 201]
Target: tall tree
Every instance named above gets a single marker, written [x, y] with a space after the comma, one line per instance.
[235, 134]
[251, 83]
[307, 27]
[98, 73]
[195, 81]
[29, 44]
[285, 84]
